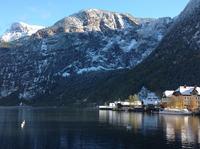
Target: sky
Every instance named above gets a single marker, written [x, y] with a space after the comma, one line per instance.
[47, 12]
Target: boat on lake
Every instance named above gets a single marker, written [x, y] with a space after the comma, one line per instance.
[175, 111]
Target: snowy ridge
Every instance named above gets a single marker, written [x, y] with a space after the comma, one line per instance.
[18, 30]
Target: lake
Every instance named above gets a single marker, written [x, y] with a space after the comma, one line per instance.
[73, 128]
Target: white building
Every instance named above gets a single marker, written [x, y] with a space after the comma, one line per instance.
[151, 99]
[114, 105]
[128, 104]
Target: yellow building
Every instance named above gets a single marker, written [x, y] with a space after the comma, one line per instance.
[184, 97]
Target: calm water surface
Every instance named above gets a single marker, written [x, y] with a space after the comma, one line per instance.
[67, 128]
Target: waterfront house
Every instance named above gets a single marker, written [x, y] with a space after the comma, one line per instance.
[128, 103]
[167, 96]
[184, 97]
[123, 105]
[151, 100]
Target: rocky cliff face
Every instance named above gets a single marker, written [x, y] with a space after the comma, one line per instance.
[89, 41]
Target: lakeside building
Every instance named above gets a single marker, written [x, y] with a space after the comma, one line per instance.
[151, 100]
[128, 103]
[184, 97]
[123, 105]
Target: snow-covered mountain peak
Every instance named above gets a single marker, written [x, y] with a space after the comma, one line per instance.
[24, 27]
[18, 30]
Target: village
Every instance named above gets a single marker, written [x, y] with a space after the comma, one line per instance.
[185, 100]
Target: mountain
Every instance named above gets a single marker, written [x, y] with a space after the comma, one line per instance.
[18, 30]
[175, 61]
[70, 60]
[105, 40]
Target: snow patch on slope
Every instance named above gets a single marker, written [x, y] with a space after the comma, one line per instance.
[89, 69]
[154, 28]
[127, 47]
[66, 74]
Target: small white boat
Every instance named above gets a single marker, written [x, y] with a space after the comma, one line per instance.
[175, 111]
[23, 124]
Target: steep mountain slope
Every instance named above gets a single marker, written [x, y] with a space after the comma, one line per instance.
[55, 62]
[18, 30]
[176, 61]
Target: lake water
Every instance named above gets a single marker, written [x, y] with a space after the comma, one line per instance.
[68, 128]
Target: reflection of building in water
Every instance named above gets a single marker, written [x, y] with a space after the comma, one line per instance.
[199, 134]
[170, 132]
[121, 118]
[150, 122]
[141, 121]
[186, 132]
[183, 128]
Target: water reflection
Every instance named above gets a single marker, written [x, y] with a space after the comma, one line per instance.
[44, 128]
[137, 121]
[51, 128]
[120, 118]
[175, 128]
[183, 128]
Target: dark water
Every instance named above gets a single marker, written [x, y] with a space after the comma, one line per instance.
[51, 128]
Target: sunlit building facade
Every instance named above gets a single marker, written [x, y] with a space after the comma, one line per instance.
[185, 97]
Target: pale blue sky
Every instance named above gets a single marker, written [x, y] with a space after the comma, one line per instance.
[47, 12]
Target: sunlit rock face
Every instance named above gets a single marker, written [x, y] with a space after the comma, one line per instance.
[88, 41]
